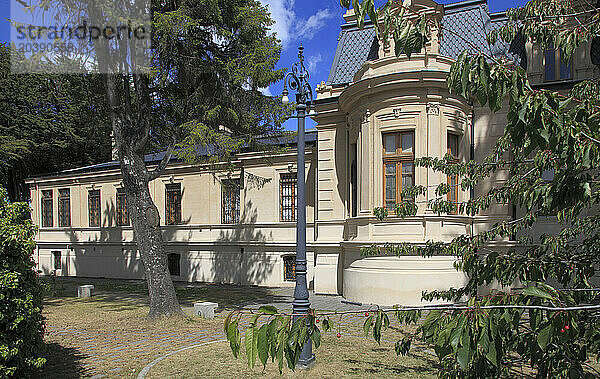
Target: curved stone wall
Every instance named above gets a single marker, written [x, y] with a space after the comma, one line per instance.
[399, 280]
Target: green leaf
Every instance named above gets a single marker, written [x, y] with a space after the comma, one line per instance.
[464, 79]
[401, 38]
[368, 8]
[544, 337]
[377, 328]
[281, 343]
[251, 346]
[463, 356]
[367, 325]
[263, 345]
[268, 309]
[233, 336]
[538, 292]
[316, 337]
[226, 323]
[492, 354]
[455, 335]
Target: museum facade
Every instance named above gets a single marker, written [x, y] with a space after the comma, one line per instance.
[375, 115]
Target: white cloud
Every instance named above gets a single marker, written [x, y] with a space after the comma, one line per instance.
[289, 27]
[307, 29]
[265, 91]
[313, 60]
[284, 17]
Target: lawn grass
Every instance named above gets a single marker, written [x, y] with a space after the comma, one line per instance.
[336, 357]
[108, 334]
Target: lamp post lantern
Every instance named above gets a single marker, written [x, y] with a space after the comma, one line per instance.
[297, 80]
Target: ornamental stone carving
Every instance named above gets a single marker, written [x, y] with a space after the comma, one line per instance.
[433, 109]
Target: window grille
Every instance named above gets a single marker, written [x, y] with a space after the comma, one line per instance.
[289, 268]
[94, 207]
[230, 203]
[64, 207]
[47, 213]
[173, 204]
[122, 214]
[288, 187]
[57, 260]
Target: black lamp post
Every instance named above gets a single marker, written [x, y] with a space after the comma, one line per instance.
[297, 80]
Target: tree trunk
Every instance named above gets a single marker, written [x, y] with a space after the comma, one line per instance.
[130, 132]
[148, 235]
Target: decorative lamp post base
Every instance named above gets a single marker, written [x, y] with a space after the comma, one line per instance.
[306, 364]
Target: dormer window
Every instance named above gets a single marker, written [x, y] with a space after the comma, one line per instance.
[554, 66]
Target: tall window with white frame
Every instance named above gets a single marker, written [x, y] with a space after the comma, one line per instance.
[288, 186]
[47, 213]
[64, 207]
[398, 166]
[452, 149]
[94, 207]
[554, 66]
[122, 217]
[173, 203]
[230, 201]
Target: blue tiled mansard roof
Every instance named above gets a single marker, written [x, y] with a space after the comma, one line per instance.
[465, 27]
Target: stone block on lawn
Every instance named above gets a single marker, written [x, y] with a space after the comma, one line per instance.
[205, 309]
[85, 291]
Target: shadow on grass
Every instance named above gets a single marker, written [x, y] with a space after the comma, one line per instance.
[114, 290]
[374, 367]
[62, 362]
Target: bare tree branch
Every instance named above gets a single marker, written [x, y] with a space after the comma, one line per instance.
[162, 165]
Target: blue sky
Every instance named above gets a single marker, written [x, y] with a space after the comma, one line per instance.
[315, 23]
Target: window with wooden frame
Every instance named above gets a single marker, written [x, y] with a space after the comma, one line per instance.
[230, 201]
[554, 66]
[452, 149]
[173, 203]
[64, 207]
[47, 212]
[122, 216]
[398, 166]
[94, 207]
[288, 187]
[289, 268]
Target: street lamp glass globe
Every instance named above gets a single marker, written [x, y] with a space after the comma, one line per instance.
[285, 99]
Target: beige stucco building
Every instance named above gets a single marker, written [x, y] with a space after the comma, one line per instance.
[375, 115]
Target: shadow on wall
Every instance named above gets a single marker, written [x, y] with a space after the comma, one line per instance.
[110, 253]
[240, 255]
